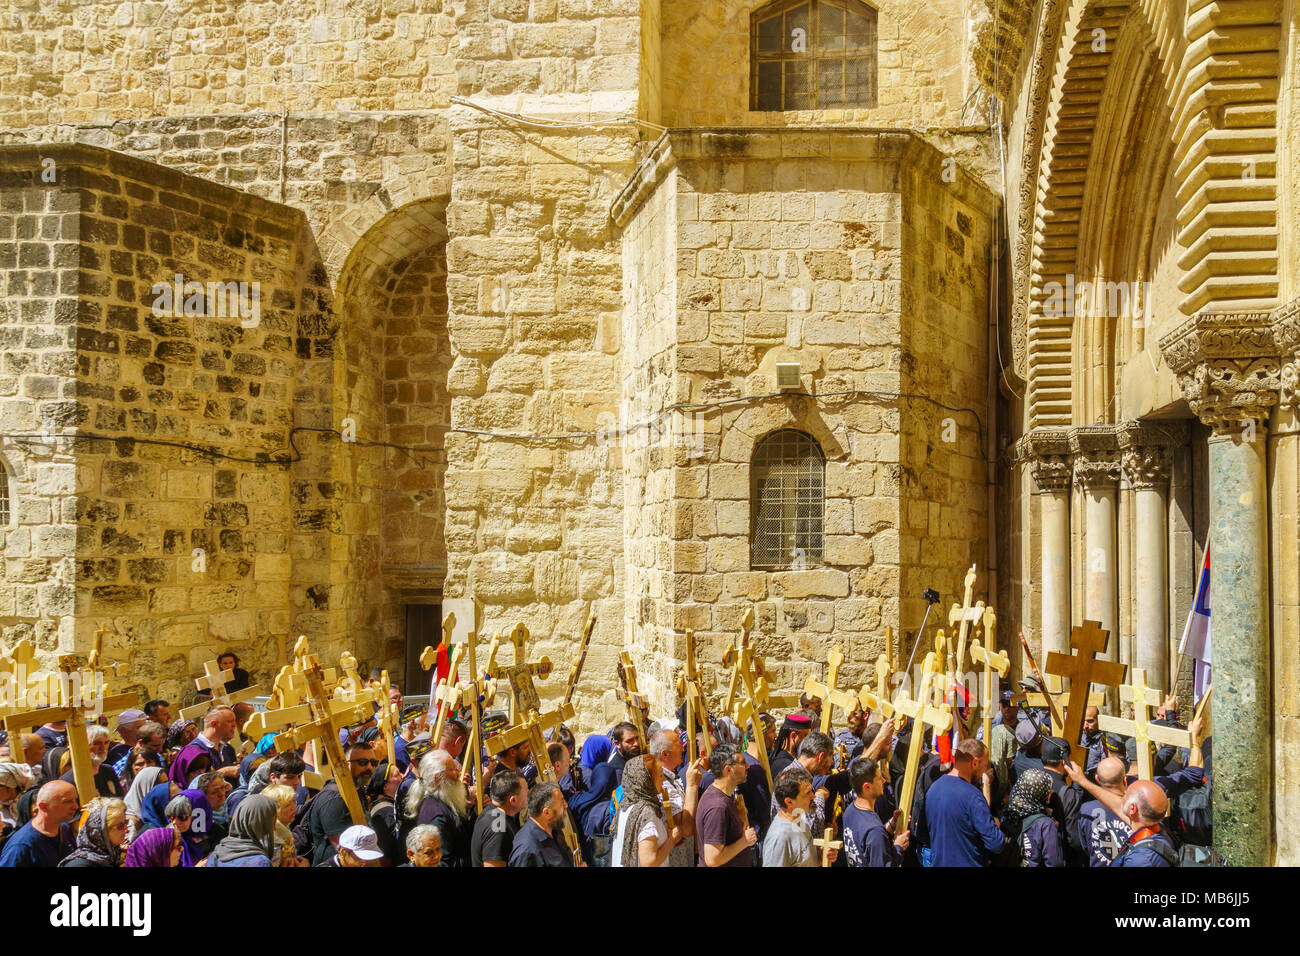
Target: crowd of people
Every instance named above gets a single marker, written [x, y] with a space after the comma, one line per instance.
[178, 793]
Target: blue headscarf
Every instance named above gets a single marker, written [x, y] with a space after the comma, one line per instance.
[596, 750]
[154, 807]
[267, 742]
[589, 807]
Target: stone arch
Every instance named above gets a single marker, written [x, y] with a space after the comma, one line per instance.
[343, 237]
[754, 423]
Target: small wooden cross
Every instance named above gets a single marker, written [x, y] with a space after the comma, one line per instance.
[731, 657]
[990, 661]
[214, 678]
[1140, 727]
[921, 714]
[746, 713]
[877, 702]
[829, 693]
[1082, 670]
[387, 717]
[826, 843]
[476, 693]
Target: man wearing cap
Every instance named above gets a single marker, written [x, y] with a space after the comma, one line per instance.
[794, 729]
[128, 724]
[1067, 799]
[1029, 739]
[535, 844]
[357, 846]
[152, 736]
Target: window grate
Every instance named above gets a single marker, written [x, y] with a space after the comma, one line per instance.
[789, 501]
[813, 54]
[4, 497]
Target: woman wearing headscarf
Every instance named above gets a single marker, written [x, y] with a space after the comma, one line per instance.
[595, 751]
[14, 779]
[141, 785]
[1032, 835]
[180, 733]
[190, 762]
[158, 847]
[727, 731]
[640, 830]
[102, 836]
[251, 840]
[207, 796]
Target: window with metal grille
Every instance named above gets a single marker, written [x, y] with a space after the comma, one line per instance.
[789, 501]
[812, 54]
[4, 496]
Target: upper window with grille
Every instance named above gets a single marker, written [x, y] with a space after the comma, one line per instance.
[789, 501]
[812, 55]
[5, 509]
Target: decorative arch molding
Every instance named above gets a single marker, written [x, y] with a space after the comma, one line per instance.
[1222, 107]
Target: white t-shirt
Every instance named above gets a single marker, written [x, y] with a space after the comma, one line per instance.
[652, 827]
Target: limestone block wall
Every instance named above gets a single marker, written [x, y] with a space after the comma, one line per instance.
[181, 552]
[817, 248]
[921, 76]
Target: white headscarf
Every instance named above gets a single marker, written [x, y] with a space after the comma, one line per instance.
[17, 775]
[144, 781]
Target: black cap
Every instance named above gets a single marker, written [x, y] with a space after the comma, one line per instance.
[1055, 749]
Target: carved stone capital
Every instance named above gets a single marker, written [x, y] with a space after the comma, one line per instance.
[1286, 333]
[1096, 455]
[1145, 450]
[1047, 451]
[1228, 366]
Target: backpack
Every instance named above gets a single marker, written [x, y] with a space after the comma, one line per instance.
[1163, 849]
[1025, 824]
[1195, 819]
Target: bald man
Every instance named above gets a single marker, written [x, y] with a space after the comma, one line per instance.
[47, 838]
[1145, 806]
[1102, 832]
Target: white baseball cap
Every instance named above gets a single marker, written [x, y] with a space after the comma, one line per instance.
[361, 842]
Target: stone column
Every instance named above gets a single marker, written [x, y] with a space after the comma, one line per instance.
[1096, 469]
[1047, 451]
[1229, 370]
[1144, 449]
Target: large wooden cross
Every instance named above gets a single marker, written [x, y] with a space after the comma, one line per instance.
[688, 686]
[1056, 694]
[989, 661]
[962, 616]
[877, 701]
[447, 695]
[328, 717]
[1082, 669]
[829, 693]
[922, 714]
[1140, 727]
[70, 704]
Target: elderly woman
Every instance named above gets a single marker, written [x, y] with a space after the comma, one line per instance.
[158, 847]
[180, 733]
[102, 837]
[251, 840]
[286, 804]
[14, 779]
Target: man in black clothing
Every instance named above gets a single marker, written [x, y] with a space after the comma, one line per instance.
[327, 815]
[535, 843]
[1067, 799]
[794, 729]
[627, 743]
[495, 829]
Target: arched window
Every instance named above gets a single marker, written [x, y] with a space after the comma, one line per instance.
[789, 501]
[812, 54]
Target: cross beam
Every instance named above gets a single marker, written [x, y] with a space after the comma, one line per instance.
[829, 693]
[921, 714]
[1140, 727]
[1082, 670]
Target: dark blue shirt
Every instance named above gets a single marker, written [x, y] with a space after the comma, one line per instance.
[1040, 844]
[1101, 833]
[866, 841]
[962, 831]
[30, 847]
[1144, 854]
[532, 847]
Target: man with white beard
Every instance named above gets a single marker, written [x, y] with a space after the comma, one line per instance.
[439, 798]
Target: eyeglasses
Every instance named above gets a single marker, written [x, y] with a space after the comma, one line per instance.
[364, 761]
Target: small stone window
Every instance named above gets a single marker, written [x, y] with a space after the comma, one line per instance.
[788, 474]
[5, 510]
[811, 55]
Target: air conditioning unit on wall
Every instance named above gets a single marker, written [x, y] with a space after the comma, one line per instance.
[787, 377]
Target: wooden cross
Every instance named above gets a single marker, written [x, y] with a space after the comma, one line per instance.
[921, 714]
[1140, 728]
[746, 714]
[962, 616]
[73, 710]
[990, 661]
[688, 686]
[214, 682]
[386, 716]
[328, 717]
[472, 690]
[1055, 692]
[576, 670]
[214, 678]
[632, 697]
[826, 843]
[448, 693]
[20, 664]
[829, 694]
[877, 702]
[1082, 670]
[351, 682]
[519, 676]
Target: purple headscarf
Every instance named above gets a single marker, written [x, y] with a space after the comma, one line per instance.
[194, 841]
[179, 772]
[151, 848]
